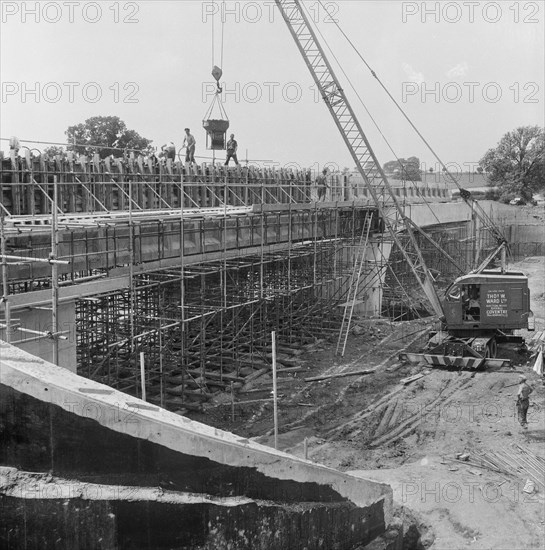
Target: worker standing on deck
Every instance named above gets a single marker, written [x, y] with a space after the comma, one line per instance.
[321, 182]
[189, 143]
[232, 147]
[169, 151]
[523, 401]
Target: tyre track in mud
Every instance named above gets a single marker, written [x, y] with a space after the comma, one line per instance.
[386, 413]
[409, 425]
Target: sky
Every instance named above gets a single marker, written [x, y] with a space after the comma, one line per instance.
[464, 72]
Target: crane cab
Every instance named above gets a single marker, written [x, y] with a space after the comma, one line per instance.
[488, 301]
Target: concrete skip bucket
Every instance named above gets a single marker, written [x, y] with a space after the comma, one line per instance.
[216, 131]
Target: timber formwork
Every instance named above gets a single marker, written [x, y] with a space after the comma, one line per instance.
[101, 248]
[91, 185]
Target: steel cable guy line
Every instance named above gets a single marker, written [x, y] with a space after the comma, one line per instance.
[466, 195]
[367, 110]
[374, 74]
[313, 53]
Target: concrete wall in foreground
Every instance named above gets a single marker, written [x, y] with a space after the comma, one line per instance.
[220, 489]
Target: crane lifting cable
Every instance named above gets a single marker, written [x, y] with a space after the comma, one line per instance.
[216, 125]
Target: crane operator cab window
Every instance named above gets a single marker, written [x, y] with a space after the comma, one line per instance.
[454, 294]
[471, 303]
[469, 296]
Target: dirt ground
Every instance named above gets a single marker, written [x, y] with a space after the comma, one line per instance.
[410, 435]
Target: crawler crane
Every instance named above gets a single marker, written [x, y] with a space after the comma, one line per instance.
[481, 308]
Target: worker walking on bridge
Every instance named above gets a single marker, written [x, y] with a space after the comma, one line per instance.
[321, 182]
[189, 143]
[232, 147]
[523, 401]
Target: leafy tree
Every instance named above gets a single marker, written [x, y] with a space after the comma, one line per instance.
[391, 166]
[517, 164]
[492, 194]
[408, 169]
[53, 150]
[107, 135]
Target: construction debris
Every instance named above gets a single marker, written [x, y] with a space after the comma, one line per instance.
[339, 375]
[409, 379]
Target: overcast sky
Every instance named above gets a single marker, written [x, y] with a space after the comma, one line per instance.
[465, 73]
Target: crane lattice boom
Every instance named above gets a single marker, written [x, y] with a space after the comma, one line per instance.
[370, 169]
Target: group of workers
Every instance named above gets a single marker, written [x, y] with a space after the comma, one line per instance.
[169, 150]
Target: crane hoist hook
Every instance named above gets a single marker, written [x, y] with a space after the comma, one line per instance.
[216, 126]
[217, 73]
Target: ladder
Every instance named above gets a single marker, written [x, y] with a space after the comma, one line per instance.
[354, 287]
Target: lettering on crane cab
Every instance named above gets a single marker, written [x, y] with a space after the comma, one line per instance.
[496, 303]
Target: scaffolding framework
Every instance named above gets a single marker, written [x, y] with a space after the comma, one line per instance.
[207, 325]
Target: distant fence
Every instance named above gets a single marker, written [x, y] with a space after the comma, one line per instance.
[520, 251]
[526, 239]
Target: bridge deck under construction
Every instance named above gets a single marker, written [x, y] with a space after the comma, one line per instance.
[191, 269]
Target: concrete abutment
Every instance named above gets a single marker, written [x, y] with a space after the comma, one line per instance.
[111, 467]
